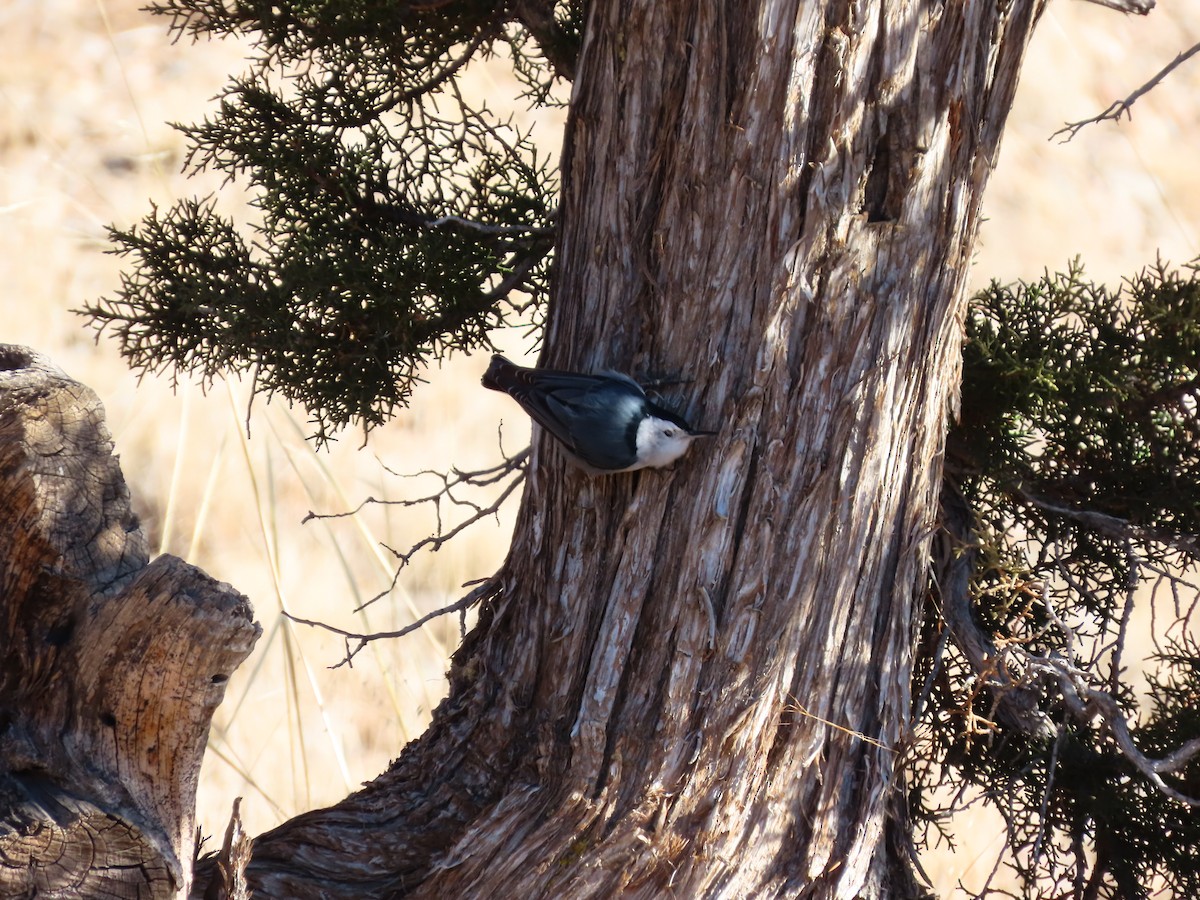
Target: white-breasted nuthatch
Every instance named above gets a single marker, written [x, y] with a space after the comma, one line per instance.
[606, 422]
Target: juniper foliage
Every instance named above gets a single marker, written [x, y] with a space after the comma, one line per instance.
[1077, 455]
[397, 223]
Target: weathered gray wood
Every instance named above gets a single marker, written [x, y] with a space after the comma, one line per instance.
[695, 683]
[110, 665]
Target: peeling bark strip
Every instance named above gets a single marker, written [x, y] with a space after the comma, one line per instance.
[110, 666]
[695, 683]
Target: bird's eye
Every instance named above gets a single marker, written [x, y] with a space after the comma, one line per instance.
[669, 432]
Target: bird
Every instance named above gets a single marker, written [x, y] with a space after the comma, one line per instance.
[605, 422]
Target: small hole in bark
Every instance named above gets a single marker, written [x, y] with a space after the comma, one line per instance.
[108, 719]
[60, 634]
[12, 357]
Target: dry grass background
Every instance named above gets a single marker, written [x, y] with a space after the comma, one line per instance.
[85, 89]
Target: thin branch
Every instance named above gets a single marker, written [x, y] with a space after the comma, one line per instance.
[516, 277]
[1138, 7]
[457, 477]
[1183, 618]
[1122, 107]
[1051, 769]
[514, 464]
[1131, 585]
[1016, 703]
[390, 100]
[1086, 703]
[356, 641]
[935, 666]
[1010, 827]
[406, 215]
[1112, 526]
[452, 484]
[482, 228]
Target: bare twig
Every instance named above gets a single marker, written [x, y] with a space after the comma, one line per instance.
[456, 477]
[935, 667]
[515, 278]
[1051, 769]
[390, 100]
[1131, 584]
[356, 641]
[452, 484]
[1138, 7]
[408, 216]
[483, 228]
[1183, 618]
[1087, 703]
[1122, 107]
[1010, 827]
[512, 465]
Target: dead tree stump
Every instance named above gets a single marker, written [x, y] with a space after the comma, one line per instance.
[110, 665]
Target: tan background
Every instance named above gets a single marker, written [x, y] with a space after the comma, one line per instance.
[85, 89]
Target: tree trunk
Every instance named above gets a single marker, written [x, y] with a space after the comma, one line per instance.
[695, 682]
[110, 666]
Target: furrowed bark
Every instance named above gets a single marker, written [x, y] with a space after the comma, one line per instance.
[695, 682]
[110, 665]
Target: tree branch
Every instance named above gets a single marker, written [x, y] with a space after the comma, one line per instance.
[1137, 7]
[457, 479]
[488, 588]
[538, 19]
[1013, 673]
[1086, 702]
[1122, 107]
[1112, 526]
[1016, 701]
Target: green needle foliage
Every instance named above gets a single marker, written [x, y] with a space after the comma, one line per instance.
[397, 224]
[1077, 459]
[1077, 396]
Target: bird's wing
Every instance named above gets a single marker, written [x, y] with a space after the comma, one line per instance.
[600, 429]
[545, 409]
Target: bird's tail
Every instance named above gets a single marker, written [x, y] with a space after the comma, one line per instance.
[500, 375]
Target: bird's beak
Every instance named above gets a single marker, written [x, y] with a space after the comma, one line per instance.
[703, 433]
